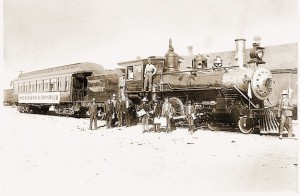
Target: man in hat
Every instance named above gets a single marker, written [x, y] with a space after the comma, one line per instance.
[93, 111]
[114, 101]
[167, 112]
[156, 115]
[149, 71]
[218, 62]
[120, 108]
[122, 87]
[109, 108]
[285, 112]
[189, 112]
[146, 107]
[128, 105]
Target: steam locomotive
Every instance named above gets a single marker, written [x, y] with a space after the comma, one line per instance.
[223, 96]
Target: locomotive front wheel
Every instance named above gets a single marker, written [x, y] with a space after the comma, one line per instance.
[246, 125]
[213, 126]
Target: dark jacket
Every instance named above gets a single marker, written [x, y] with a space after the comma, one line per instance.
[189, 110]
[145, 106]
[93, 108]
[120, 106]
[157, 110]
[109, 108]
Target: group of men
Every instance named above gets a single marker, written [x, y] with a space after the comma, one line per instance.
[118, 108]
[163, 115]
[114, 108]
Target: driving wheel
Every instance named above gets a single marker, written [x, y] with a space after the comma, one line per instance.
[246, 125]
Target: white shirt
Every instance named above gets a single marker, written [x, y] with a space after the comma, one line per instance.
[150, 68]
[130, 75]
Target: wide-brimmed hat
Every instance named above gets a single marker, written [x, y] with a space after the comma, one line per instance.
[189, 102]
[284, 92]
[144, 99]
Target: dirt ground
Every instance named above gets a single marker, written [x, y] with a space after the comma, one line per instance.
[51, 155]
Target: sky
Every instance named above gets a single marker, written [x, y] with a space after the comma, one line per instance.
[39, 34]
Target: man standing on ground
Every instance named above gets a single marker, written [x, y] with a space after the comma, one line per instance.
[109, 108]
[285, 112]
[127, 111]
[93, 111]
[156, 115]
[120, 107]
[146, 107]
[189, 112]
[167, 112]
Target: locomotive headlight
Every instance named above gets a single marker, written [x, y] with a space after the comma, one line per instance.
[256, 55]
[259, 54]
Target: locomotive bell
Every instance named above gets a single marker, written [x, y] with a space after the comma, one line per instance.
[171, 59]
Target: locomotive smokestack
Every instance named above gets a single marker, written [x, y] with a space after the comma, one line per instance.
[240, 57]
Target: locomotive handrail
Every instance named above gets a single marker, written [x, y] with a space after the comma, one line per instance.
[244, 96]
[161, 85]
[207, 70]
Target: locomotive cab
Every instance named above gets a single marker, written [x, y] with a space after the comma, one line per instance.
[134, 73]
